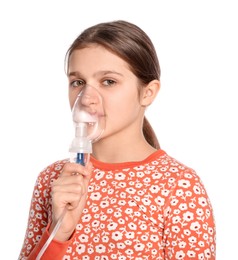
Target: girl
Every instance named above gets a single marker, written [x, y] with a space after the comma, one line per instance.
[132, 200]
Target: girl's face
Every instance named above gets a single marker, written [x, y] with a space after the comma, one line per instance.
[118, 86]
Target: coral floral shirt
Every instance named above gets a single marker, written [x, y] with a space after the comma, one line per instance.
[157, 208]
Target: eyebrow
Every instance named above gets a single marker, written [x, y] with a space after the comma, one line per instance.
[102, 72]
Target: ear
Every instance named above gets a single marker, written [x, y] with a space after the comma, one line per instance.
[149, 93]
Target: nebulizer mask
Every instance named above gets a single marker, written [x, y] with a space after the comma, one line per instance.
[89, 122]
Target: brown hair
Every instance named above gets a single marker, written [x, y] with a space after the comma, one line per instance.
[131, 44]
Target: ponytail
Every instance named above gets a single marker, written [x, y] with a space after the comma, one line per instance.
[149, 134]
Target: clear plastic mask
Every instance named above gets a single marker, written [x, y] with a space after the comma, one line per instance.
[89, 120]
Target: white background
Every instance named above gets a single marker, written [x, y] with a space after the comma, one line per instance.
[195, 114]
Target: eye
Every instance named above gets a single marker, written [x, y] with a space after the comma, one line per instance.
[77, 83]
[109, 82]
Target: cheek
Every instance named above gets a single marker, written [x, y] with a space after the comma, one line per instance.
[72, 98]
[124, 107]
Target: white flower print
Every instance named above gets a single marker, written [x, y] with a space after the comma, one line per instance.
[188, 216]
[160, 201]
[122, 184]
[138, 185]
[96, 239]
[103, 183]
[205, 236]
[100, 248]
[174, 201]
[199, 211]
[183, 206]
[143, 226]
[121, 245]
[99, 175]
[147, 180]
[195, 226]
[120, 176]
[80, 248]
[131, 190]
[154, 188]
[201, 243]
[191, 254]
[144, 238]
[95, 196]
[95, 223]
[175, 229]
[192, 239]
[207, 253]
[38, 215]
[210, 231]
[132, 226]
[165, 192]
[201, 256]
[184, 183]
[196, 189]
[121, 257]
[182, 244]
[117, 214]
[30, 234]
[188, 175]
[104, 204]
[130, 235]
[86, 218]
[83, 238]
[187, 232]
[146, 201]
[121, 221]
[139, 247]
[154, 238]
[173, 169]
[38, 207]
[180, 255]
[188, 193]
[192, 205]
[112, 226]
[117, 235]
[176, 219]
[129, 251]
[129, 211]
[202, 201]
[156, 175]
[140, 174]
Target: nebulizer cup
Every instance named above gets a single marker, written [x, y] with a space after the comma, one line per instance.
[89, 122]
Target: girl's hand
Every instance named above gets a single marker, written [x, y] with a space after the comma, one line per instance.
[70, 191]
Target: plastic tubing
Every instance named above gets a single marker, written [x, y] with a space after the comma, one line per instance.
[52, 235]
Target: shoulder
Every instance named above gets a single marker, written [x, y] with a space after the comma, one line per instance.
[168, 164]
[184, 182]
[175, 173]
[51, 171]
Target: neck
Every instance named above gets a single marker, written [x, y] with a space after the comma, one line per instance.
[119, 149]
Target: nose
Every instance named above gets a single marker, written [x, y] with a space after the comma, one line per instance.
[90, 99]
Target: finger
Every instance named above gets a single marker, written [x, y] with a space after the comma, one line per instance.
[68, 179]
[89, 169]
[70, 200]
[72, 169]
[79, 189]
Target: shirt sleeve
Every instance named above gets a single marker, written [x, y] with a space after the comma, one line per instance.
[189, 230]
[54, 251]
[40, 217]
